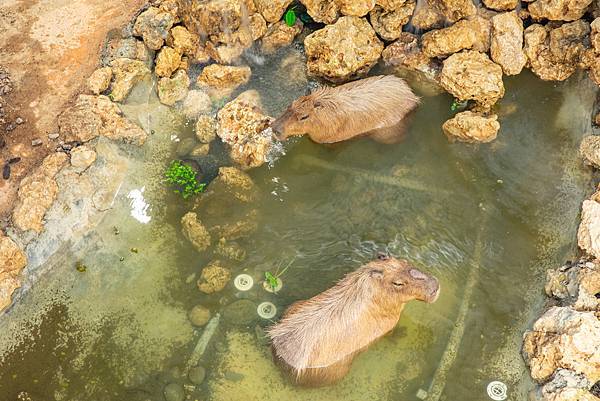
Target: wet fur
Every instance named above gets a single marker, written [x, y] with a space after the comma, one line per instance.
[374, 106]
[317, 339]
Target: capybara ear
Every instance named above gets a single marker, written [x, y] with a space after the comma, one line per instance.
[317, 104]
[376, 273]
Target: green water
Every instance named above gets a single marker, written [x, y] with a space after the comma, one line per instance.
[487, 220]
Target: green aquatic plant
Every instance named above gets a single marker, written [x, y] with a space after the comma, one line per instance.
[290, 17]
[272, 280]
[457, 104]
[184, 178]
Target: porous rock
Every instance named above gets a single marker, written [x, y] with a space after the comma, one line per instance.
[576, 284]
[221, 80]
[195, 103]
[589, 149]
[237, 183]
[153, 26]
[357, 8]
[258, 26]
[470, 75]
[588, 235]
[272, 10]
[567, 385]
[167, 61]
[446, 41]
[564, 338]
[92, 116]
[183, 41]
[342, 51]
[127, 73]
[206, 128]
[242, 125]
[558, 10]
[195, 232]
[501, 5]
[507, 43]
[213, 278]
[455, 10]
[426, 17]
[99, 81]
[325, 11]
[388, 23]
[199, 315]
[472, 127]
[82, 157]
[37, 192]
[174, 89]
[12, 262]
[280, 35]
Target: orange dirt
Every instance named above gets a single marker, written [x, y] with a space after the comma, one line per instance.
[49, 47]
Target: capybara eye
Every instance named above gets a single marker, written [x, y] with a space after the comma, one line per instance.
[398, 283]
[382, 256]
[303, 117]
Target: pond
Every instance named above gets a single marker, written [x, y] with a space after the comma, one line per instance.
[486, 220]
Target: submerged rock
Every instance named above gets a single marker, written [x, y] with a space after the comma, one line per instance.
[588, 235]
[37, 193]
[325, 11]
[174, 392]
[471, 75]
[230, 250]
[575, 284]
[206, 129]
[99, 81]
[242, 125]
[82, 157]
[92, 116]
[197, 374]
[555, 54]
[507, 43]
[241, 313]
[558, 10]
[199, 315]
[468, 126]
[589, 149]
[167, 61]
[343, 51]
[195, 232]
[213, 278]
[567, 385]
[172, 90]
[196, 102]
[12, 262]
[388, 22]
[236, 182]
[126, 73]
[153, 26]
[221, 80]
[280, 35]
[564, 338]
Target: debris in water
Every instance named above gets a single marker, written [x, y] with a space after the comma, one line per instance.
[121, 259]
[116, 230]
[6, 171]
[80, 267]
[266, 310]
[134, 250]
[36, 142]
[202, 343]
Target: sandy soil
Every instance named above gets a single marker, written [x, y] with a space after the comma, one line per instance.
[49, 48]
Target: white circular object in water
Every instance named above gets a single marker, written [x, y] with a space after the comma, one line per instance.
[268, 287]
[497, 391]
[266, 310]
[243, 282]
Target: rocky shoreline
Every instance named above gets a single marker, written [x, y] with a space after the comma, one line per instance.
[461, 49]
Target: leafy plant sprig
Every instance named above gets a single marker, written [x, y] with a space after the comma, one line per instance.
[272, 279]
[290, 17]
[184, 178]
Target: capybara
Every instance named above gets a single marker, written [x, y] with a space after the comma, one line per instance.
[374, 106]
[317, 339]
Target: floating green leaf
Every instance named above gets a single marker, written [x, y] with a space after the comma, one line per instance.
[271, 280]
[290, 17]
[184, 178]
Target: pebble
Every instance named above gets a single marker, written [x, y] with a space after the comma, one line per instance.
[6, 171]
[199, 315]
[14, 160]
[197, 374]
[242, 312]
[53, 136]
[36, 142]
[19, 121]
[2, 142]
[10, 127]
[174, 392]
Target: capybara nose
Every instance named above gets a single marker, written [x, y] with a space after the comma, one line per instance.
[383, 256]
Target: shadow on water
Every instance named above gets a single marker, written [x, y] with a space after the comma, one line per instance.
[506, 210]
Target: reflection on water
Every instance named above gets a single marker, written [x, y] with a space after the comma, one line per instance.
[487, 220]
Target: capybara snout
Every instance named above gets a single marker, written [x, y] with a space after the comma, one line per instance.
[317, 339]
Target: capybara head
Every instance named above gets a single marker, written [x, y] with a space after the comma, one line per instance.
[298, 119]
[402, 280]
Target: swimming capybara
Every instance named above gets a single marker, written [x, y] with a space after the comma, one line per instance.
[317, 339]
[374, 106]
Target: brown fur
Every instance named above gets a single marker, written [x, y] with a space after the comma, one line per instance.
[374, 106]
[317, 339]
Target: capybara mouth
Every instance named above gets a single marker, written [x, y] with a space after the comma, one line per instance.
[434, 295]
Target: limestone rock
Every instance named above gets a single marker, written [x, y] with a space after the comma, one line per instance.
[280, 35]
[258, 26]
[588, 235]
[12, 262]
[241, 312]
[234, 181]
[390, 4]
[343, 51]
[130, 48]
[575, 284]
[172, 90]
[272, 10]
[99, 81]
[590, 150]
[153, 26]
[196, 102]
[357, 8]
[221, 80]
[37, 193]
[200, 150]
[167, 62]
[92, 116]
[126, 73]
[455, 10]
[471, 75]
[199, 315]
[567, 385]
[427, 17]
[468, 126]
[507, 43]
[555, 54]
[388, 23]
[213, 278]
[446, 41]
[206, 129]
[558, 10]
[595, 35]
[82, 157]
[195, 232]
[564, 338]
[182, 41]
[501, 5]
[243, 126]
[325, 11]
[482, 26]
[230, 250]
